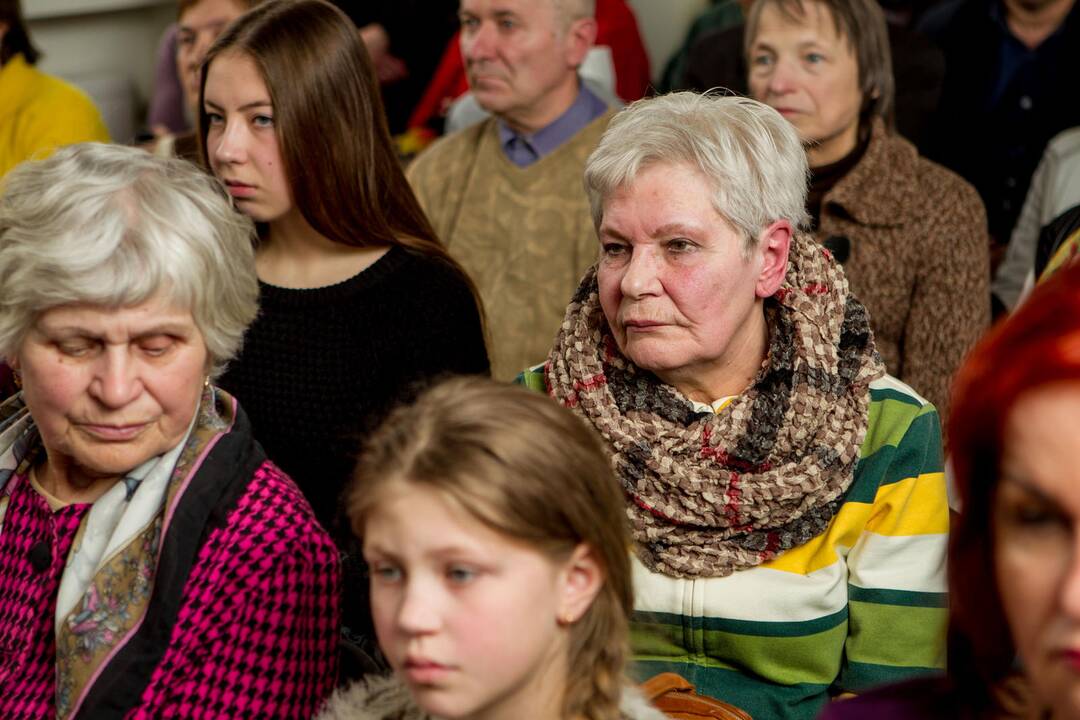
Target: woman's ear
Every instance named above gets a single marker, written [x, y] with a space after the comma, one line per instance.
[773, 245]
[579, 583]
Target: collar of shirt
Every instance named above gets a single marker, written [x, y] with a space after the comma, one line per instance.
[715, 407]
[524, 150]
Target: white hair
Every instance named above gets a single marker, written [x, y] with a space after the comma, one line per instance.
[750, 155]
[114, 226]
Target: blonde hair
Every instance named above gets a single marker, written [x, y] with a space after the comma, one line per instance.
[530, 469]
[750, 155]
[114, 226]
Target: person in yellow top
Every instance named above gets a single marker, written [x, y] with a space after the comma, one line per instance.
[38, 112]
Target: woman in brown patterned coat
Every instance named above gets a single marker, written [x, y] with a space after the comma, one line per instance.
[911, 234]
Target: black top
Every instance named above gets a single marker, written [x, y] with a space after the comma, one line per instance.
[321, 367]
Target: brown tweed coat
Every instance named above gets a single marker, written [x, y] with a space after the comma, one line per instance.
[919, 259]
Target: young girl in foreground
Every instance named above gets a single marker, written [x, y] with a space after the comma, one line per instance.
[500, 574]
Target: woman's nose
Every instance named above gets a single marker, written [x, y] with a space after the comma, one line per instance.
[116, 382]
[781, 78]
[642, 275]
[230, 147]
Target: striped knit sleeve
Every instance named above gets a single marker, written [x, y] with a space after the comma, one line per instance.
[533, 379]
[896, 569]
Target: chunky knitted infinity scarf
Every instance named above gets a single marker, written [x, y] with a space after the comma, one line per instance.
[716, 493]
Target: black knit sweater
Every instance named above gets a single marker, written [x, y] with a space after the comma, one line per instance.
[321, 367]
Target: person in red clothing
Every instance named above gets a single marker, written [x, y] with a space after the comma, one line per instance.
[153, 561]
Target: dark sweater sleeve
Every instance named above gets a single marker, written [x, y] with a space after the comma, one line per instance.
[454, 339]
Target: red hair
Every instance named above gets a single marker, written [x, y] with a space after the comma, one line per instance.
[1036, 346]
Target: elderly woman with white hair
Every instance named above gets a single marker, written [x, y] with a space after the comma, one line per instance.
[786, 495]
[153, 562]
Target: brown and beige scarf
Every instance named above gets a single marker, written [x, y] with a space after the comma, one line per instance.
[715, 493]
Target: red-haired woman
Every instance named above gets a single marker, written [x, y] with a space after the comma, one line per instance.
[359, 302]
[1014, 562]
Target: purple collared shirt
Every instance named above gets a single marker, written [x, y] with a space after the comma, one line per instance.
[524, 150]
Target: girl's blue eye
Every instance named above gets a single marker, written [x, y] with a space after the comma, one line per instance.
[264, 121]
[214, 118]
[814, 58]
[386, 573]
[460, 575]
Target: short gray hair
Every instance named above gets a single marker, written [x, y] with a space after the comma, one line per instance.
[114, 226]
[751, 156]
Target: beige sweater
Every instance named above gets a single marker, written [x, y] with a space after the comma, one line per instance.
[524, 235]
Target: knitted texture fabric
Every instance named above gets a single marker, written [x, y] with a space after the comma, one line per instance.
[716, 493]
[919, 260]
[524, 235]
[256, 634]
[321, 367]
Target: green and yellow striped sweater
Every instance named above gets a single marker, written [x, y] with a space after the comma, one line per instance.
[861, 604]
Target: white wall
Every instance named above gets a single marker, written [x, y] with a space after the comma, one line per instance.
[664, 23]
[107, 47]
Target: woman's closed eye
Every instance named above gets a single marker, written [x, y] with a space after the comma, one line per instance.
[157, 346]
[77, 348]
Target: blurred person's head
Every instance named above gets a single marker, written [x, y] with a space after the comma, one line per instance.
[522, 56]
[487, 513]
[14, 35]
[825, 65]
[291, 120]
[1014, 437]
[199, 23]
[695, 198]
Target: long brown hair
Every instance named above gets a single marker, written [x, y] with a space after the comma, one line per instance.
[530, 469]
[340, 162]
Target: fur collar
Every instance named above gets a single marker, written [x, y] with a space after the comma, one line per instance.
[384, 698]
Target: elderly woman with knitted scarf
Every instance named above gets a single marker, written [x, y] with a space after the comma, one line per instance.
[786, 495]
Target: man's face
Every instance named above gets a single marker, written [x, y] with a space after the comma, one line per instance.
[200, 25]
[520, 56]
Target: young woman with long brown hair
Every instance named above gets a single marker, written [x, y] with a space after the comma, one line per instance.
[359, 301]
